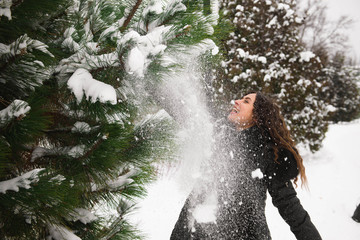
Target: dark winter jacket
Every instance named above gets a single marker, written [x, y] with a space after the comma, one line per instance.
[241, 180]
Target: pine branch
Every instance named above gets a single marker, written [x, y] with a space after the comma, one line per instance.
[4, 102]
[104, 189]
[16, 3]
[12, 60]
[64, 129]
[165, 22]
[131, 15]
[185, 31]
[93, 148]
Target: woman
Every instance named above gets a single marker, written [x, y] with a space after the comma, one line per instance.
[263, 157]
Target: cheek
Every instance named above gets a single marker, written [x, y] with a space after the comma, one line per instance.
[249, 114]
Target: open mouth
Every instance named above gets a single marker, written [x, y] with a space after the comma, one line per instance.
[234, 111]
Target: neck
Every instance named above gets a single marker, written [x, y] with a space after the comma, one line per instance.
[244, 126]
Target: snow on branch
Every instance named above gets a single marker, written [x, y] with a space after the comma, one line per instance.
[75, 152]
[117, 183]
[153, 7]
[21, 46]
[215, 11]
[164, 13]
[61, 233]
[83, 59]
[196, 50]
[174, 7]
[150, 44]
[252, 57]
[207, 44]
[5, 8]
[82, 82]
[69, 42]
[81, 127]
[16, 109]
[121, 181]
[40, 152]
[23, 181]
[306, 56]
[151, 118]
[83, 215]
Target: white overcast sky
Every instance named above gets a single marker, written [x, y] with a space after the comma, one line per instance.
[337, 8]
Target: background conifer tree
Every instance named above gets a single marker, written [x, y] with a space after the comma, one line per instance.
[344, 90]
[264, 53]
[80, 127]
[328, 40]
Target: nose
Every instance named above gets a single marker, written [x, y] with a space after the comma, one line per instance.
[237, 102]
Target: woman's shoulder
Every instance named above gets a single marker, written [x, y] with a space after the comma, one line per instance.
[284, 168]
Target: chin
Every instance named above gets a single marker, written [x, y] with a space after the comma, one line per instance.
[232, 119]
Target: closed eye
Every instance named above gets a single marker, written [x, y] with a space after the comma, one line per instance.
[247, 99]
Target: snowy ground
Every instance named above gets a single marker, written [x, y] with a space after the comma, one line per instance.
[334, 180]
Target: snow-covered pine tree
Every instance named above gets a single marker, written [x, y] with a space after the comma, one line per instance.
[264, 53]
[79, 126]
[327, 39]
[343, 92]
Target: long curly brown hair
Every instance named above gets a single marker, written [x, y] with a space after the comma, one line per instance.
[268, 118]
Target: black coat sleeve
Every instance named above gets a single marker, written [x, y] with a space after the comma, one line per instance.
[186, 227]
[284, 198]
[181, 230]
[279, 175]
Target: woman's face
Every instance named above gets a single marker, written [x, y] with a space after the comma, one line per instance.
[242, 112]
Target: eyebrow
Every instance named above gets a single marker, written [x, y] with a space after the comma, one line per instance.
[247, 98]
